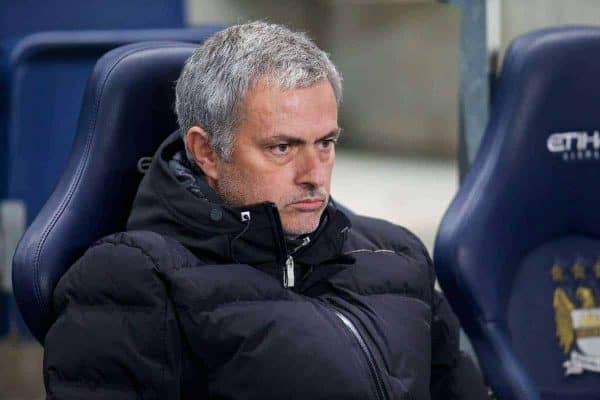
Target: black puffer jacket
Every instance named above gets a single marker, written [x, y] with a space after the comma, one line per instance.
[190, 303]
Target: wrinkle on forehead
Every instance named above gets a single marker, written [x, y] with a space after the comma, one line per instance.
[267, 108]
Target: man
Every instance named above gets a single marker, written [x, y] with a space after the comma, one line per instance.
[238, 277]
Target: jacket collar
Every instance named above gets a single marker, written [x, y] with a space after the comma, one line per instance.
[216, 232]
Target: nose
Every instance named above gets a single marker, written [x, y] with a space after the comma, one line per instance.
[313, 169]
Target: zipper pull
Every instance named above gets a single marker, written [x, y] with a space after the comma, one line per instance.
[288, 273]
[305, 241]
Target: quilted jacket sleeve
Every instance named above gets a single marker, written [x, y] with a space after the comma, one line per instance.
[116, 336]
[453, 373]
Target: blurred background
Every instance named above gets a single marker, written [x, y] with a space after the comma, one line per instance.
[417, 84]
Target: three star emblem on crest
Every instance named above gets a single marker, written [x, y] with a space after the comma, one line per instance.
[577, 316]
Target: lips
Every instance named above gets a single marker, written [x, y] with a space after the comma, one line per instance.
[308, 205]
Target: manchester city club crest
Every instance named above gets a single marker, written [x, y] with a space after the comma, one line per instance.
[577, 315]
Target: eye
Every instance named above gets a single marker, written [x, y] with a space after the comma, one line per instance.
[280, 149]
[327, 143]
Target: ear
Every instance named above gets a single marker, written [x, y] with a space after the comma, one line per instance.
[196, 140]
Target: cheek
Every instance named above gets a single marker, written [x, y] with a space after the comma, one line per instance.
[262, 184]
[329, 173]
[274, 186]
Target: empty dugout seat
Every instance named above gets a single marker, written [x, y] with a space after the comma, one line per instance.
[49, 72]
[21, 25]
[40, 97]
[518, 251]
[23, 17]
[126, 114]
[19, 19]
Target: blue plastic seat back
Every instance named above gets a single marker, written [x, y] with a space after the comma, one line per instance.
[18, 18]
[49, 72]
[518, 251]
[126, 113]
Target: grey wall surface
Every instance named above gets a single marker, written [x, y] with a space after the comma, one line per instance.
[400, 64]
[518, 16]
[399, 59]
[298, 14]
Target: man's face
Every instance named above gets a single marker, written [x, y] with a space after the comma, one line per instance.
[284, 153]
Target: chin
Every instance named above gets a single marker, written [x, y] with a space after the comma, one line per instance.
[300, 229]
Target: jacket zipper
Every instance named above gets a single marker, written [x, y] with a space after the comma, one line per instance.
[373, 367]
[288, 260]
[289, 281]
[288, 273]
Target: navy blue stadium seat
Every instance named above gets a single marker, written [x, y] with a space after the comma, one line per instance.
[48, 74]
[61, 20]
[42, 80]
[22, 17]
[126, 113]
[518, 251]
[47, 50]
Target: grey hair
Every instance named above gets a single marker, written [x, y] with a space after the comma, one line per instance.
[215, 79]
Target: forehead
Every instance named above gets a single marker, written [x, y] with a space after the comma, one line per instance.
[273, 108]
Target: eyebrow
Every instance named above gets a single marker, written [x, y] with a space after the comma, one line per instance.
[292, 140]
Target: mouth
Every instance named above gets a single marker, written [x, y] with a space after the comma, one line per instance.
[308, 205]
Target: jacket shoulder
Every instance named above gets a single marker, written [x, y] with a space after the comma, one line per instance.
[376, 234]
[123, 268]
[115, 324]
